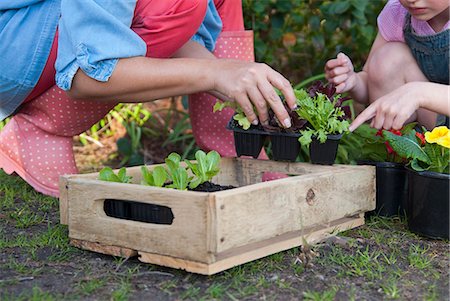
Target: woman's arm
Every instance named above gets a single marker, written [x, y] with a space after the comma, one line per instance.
[141, 79]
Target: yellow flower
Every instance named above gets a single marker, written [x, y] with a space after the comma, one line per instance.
[445, 141]
[439, 135]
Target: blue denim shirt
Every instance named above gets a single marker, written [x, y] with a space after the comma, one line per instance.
[27, 28]
[93, 34]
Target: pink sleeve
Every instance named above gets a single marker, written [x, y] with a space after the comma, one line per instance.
[391, 21]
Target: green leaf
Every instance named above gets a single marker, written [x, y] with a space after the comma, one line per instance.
[305, 138]
[124, 146]
[339, 7]
[406, 147]
[107, 174]
[147, 177]
[242, 121]
[159, 176]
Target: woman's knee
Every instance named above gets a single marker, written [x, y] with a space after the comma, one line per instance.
[392, 60]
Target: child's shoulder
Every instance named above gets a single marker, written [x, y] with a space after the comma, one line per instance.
[391, 21]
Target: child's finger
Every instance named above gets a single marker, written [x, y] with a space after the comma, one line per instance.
[337, 80]
[363, 117]
[340, 87]
[331, 64]
[388, 121]
[339, 71]
[399, 121]
[378, 121]
[343, 59]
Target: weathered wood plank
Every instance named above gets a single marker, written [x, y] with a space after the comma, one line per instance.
[238, 256]
[268, 209]
[185, 237]
[104, 249]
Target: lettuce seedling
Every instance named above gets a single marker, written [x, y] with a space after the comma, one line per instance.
[156, 178]
[207, 166]
[322, 114]
[239, 116]
[107, 174]
[178, 175]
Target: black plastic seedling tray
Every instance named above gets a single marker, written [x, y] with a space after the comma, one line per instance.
[285, 146]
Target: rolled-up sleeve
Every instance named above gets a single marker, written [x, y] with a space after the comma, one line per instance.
[210, 28]
[93, 35]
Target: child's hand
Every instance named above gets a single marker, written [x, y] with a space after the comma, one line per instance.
[391, 110]
[340, 72]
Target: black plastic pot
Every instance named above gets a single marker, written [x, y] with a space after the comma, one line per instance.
[391, 188]
[324, 153]
[428, 203]
[285, 146]
[248, 144]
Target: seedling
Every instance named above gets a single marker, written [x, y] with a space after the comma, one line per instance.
[157, 177]
[107, 174]
[205, 169]
[323, 115]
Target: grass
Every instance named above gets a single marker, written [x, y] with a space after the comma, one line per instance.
[381, 260]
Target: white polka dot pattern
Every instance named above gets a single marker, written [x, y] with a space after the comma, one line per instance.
[37, 142]
[208, 127]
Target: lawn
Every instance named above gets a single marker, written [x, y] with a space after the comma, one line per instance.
[381, 260]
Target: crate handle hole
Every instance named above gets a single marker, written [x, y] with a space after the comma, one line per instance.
[137, 211]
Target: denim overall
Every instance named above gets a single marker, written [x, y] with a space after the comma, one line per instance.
[432, 55]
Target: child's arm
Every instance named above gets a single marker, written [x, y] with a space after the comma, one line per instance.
[395, 108]
[340, 72]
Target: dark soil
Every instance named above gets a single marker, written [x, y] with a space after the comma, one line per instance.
[211, 187]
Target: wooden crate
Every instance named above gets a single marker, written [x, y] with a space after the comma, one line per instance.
[212, 232]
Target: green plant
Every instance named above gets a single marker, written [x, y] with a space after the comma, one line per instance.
[207, 166]
[178, 174]
[172, 128]
[107, 174]
[305, 34]
[323, 115]
[239, 116]
[367, 143]
[122, 113]
[429, 151]
[3, 123]
[129, 146]
[157, 177]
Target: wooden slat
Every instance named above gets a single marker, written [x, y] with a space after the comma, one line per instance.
[104, 249]
[63, 200]
[255, 251]
[185, 237]
[261, 211]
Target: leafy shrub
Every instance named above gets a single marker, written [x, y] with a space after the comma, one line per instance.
[298, 37]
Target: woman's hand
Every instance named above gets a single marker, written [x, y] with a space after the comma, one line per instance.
[252, 85]
[340, 72]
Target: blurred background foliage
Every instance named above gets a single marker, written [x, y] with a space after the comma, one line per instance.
[298, 37]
